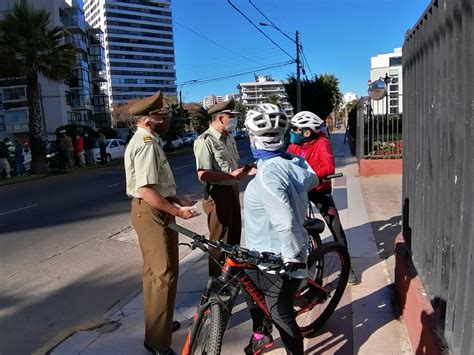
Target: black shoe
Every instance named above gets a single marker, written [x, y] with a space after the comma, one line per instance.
[151, 349]
[256, 346]
[176, 326]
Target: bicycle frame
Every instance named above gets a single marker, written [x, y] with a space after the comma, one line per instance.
[233, 274]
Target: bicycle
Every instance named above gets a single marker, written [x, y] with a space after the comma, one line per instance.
[316, 226]
[320, 292]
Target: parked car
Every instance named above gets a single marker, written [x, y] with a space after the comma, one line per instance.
[189, 138]
[176, 142]
[241, 135]
[114, 148]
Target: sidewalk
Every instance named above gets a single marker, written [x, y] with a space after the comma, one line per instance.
[364, 322]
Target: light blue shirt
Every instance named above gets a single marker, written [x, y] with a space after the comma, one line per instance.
[276, 203]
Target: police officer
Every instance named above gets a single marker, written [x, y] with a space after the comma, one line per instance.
[151, 185]
[217, 162]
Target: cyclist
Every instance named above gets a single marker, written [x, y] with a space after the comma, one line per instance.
[308, 141]
[275, 209]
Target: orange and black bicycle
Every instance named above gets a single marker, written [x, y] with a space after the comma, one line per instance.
[318, 296]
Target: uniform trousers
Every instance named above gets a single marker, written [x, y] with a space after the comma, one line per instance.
[224, 221]
[159, 248]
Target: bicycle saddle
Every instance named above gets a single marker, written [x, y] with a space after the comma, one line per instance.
[314, 225]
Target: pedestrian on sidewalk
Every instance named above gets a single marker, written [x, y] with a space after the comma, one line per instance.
[275, 210]
[4, 164]
[217, 163]
[307, 140]
[78, 145]
[152, 188]
[89, 145]
[19, 159]
[66, 150]
[102, 149]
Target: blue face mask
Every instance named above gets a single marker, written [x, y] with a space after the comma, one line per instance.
[296, 137]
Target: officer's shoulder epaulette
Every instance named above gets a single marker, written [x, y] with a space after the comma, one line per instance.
[148, 140]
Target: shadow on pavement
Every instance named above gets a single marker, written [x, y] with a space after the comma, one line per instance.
[27, 323]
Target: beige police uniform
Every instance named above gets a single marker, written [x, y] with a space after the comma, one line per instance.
[217, 152]
[146, 164]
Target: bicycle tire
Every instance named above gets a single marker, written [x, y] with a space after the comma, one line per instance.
[329, 267]
[208, 332]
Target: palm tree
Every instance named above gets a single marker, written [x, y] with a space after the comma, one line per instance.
[273, 99]
[30, 47]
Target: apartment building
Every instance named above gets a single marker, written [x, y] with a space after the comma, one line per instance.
[211, 100]
[82, 101]
[139, 46]
[389, 64]
[260, 90]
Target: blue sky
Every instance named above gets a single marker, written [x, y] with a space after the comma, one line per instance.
[338, 36]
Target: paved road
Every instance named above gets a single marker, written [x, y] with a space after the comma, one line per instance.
[60, 267]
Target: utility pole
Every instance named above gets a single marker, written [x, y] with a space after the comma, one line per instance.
[298, 70]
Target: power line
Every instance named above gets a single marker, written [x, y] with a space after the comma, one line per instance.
[226, 62]
[218, 69]
[210, 79]
[275, 26]
[307, 63]
[259, 30]
[214, 42]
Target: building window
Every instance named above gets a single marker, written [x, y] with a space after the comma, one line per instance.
[12, 94]
[395, 61]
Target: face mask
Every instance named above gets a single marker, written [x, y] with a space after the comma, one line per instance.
[232, 124]
[162, 127]
[296, 137]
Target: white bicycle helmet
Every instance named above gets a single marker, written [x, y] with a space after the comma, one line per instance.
[306, 119]
[267, 125]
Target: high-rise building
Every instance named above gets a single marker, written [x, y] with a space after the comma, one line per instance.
[211, 100]
[82, 101]
[389, 64]
[139, 46]
[263, 89]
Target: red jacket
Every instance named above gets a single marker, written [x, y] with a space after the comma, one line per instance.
[318, 154]
[78, 145]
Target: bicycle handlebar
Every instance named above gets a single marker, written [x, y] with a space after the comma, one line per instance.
[237, 252]
[332, 176]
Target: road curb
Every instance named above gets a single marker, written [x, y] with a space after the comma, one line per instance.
[417, 312]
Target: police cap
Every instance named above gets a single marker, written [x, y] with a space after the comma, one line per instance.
[224, 107]
[147, 106]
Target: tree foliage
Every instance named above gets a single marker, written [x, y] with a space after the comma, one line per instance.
[201, 120]
[320, 95]
[273, 99]
[242, 111]
[29, 47]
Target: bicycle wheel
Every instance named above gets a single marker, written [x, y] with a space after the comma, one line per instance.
[321, 291]
[208, 331]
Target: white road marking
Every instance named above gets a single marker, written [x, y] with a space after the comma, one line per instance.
[184, 166]
[19, 209]
[119, 183]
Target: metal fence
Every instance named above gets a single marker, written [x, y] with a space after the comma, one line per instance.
[379, 133]
[438, 163]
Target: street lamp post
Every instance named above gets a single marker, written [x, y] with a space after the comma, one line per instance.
[297, 61]
[387, 81]
[180, 90]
